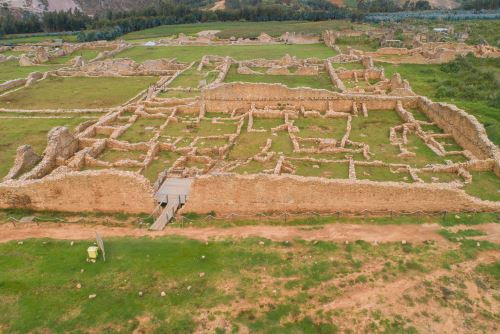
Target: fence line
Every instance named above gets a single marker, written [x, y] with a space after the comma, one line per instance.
[339, 214]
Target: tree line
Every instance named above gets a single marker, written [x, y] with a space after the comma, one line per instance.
[110, 24]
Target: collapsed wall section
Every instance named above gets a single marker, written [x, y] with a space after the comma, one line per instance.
[252, 194]
[88, 191]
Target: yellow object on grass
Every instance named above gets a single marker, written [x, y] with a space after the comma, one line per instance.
[93, 252]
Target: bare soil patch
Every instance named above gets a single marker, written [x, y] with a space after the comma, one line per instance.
[337, 232]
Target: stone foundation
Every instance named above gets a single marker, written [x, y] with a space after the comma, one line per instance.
[252, 194]
[91, 191]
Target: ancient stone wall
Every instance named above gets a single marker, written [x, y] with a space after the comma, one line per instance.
[334, 78]
[28, 81]
[465, 129]
[91, 191]
[12, 84]
[242, 95]
[226, 194]
[329, 38]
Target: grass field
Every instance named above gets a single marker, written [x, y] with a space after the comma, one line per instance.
[189, 54]
[230, 285]
[35, 38]
[191, 78]
[179, 94]
[11, 70]
[359, 43]
[321, 81]
[245, 29]
[16, 131]
[485, 185]
[76, 92]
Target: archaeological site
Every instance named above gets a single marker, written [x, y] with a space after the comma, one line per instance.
[251, 177]
[196, 140]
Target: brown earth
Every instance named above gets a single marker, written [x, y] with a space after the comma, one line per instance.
[334, 232]
[219, 5]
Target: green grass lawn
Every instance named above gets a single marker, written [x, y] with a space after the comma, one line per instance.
[257, 284]
[189, 54]
[35, 38]
[485, 185]
[321, 81]
[142, 130]
[11, 70]
[363, 43]
[191, 78]
[179, 94]
[247, 145]
[245, 29]
[321, 128]
[110, 155]
[164, 160]
[376, 173]
[33, 131]
[76, 92]
[429, 80]
[349, 66]
[374, 130]
[328, 170]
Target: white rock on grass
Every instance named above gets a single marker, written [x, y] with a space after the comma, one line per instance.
[92, 296]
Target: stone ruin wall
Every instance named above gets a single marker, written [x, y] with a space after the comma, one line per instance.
[240, 194]
[130, 192]
[28, 81]
[89, 191]
[465, 129]
[439, 52]
[227, 97]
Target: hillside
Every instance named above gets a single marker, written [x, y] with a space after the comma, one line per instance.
[95, 6]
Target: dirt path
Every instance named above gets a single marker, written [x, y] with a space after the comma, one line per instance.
[219, 5]
[333, 232]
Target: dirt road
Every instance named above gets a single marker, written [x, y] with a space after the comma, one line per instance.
[332, 232]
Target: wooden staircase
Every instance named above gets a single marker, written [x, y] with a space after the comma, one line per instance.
[171, 195]
[166, 215]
